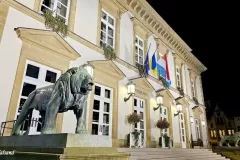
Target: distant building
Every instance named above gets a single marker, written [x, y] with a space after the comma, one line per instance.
[219, 124]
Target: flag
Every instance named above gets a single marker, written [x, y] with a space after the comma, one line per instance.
[153, 63]
[162, 68]
[146, 62]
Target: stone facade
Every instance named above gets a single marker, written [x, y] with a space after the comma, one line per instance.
[25, 41]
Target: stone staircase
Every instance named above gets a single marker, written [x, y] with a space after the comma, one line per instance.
[171, 154]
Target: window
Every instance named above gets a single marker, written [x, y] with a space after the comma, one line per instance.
[178, 77]
[229, 132]
[101, 117]
[35, 76]
[139, 108]
[164, 115]
[61, 7]
[107, 30]
[32, 71]
[232, 131]
[211, 134]
[139, 49]
[51, 77]
[193, 88]
[223, 132]
[215, 134]
[220, 133]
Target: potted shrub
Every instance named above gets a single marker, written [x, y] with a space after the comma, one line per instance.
[163, 124]
[167, 140]
[109, 52]
[133, 119]
[141, 70]
[56, 23]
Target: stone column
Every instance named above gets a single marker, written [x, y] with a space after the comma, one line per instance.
[72, 13]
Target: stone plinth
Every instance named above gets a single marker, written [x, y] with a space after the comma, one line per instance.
[63, 140]
[60, 147]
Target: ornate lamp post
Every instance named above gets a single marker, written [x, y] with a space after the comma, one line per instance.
[159, 102]
[179, 109]
[89, 68]
[131, 90]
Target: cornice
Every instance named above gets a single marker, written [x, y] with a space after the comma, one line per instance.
[76, 37]
[147, 15]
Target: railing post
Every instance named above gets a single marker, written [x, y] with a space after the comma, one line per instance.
[3, 125]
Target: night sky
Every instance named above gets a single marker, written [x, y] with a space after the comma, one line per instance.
[211, 29]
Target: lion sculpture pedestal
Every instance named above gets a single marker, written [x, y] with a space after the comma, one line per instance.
[60, 147]
[70, 92]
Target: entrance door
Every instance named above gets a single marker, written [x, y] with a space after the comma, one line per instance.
[164, 114]
[197, 129]
[182, 130]
[139, 108]
[35, 76]
[102, 111]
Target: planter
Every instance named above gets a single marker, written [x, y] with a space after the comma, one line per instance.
[109, 52]
[135, 139]
[167, 141]
[162, 124]
[56, 23]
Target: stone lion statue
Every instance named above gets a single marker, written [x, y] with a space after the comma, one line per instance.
[234, 138]
[70, 92]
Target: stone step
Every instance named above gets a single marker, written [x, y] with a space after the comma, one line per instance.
[161, 150]
[179, 158]
[179, 153]
[169, 153]
[176, 156]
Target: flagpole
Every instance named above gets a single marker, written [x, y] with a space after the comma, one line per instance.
[144, 66]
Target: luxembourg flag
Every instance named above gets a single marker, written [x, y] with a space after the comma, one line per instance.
[162, 67]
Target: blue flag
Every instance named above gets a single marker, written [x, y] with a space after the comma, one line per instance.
[146, 62]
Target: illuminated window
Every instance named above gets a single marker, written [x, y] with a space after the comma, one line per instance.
[214, 133]
[223, 132]
[232, 131]
[229, 132]
[220, 133]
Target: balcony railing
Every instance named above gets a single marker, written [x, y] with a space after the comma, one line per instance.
[9, 125]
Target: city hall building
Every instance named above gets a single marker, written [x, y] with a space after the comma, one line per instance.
[33, 56]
